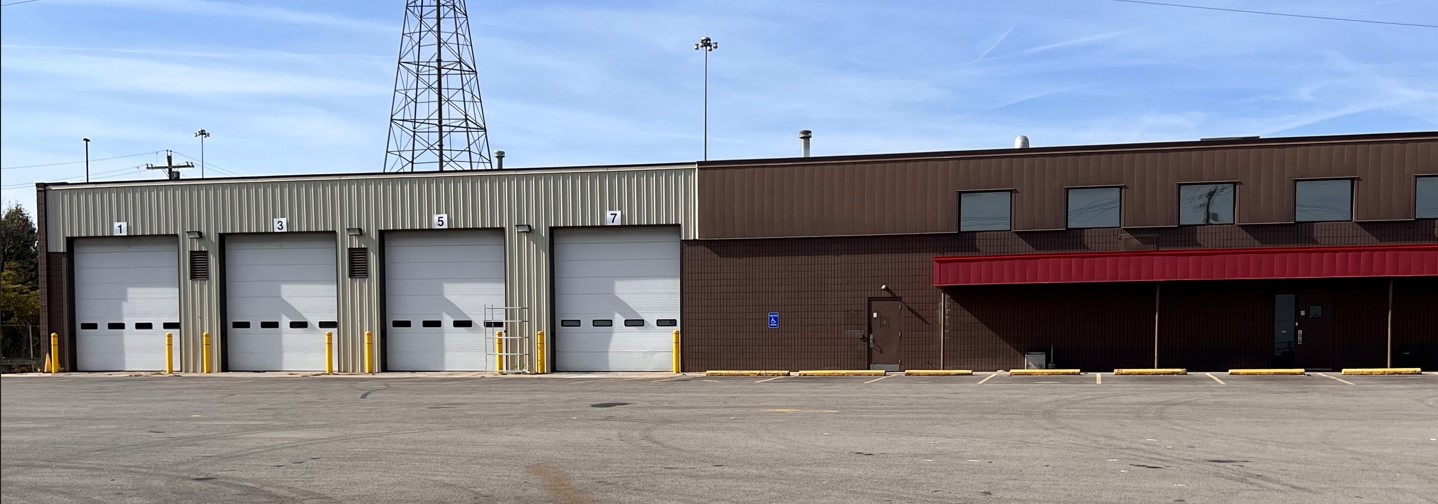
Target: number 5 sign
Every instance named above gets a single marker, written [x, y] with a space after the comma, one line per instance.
[441, 221]
[614, 218]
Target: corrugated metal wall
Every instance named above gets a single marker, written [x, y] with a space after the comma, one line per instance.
[905, 194]
[544, 199]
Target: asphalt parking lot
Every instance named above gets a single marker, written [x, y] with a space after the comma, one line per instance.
[648, 438]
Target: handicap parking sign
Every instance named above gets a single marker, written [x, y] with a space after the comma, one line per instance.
[773, 320]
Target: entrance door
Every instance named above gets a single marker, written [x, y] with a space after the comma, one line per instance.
[1314, 339]
[885, 317]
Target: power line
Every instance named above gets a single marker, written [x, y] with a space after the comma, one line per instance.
[77, 162]
[18, 3]
[1283, 14]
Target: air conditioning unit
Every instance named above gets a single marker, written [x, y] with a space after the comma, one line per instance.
[1036, 360]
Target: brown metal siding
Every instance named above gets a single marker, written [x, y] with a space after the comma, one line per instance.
[889, 195]
[1415, 323]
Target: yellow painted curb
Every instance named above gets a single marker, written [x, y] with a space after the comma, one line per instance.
[1383, 371]
[939, 372]
[1043, 372]
[746, 373]
[842, 372]
[1150, 372]
[1267, 372]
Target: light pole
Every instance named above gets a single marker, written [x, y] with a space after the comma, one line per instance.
[707, 45]
[87, 159]
[203, 135]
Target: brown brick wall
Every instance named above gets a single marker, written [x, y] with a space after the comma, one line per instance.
[821, 286]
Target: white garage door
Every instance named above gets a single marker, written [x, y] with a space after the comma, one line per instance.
[616, 298]
[280, 294]
[437, 285]
[127, 295]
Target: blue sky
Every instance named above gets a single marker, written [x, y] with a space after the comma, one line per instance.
[305, 86]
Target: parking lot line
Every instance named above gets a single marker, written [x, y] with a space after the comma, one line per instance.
[1335, 378]
[990, 377]
[1215, 378]
[879, 378]
[770, 379]
[1098, 378]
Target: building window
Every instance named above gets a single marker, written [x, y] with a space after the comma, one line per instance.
[984, 211]
[1200, 204]
[1323, 200]
[1426, 198]
[1094, 207]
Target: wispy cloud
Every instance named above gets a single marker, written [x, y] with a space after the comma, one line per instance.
[1000, 40]
[267, 13]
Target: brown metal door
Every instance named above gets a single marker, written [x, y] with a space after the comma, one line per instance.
[1315, 331]
[885, 318]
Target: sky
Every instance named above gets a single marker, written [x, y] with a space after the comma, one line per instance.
[287, 87]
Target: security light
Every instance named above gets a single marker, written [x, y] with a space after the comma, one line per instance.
[354, 231]
[194, 235]
[523, 228]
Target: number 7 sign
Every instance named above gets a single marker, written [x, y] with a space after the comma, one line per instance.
[614, 218]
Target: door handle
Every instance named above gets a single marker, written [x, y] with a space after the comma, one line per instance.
[1300, 336]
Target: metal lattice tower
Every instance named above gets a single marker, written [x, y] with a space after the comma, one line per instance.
[436, 118]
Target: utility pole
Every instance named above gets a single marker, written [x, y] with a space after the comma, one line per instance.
[170, 166]
[707, 45]
[203, 135]
[87, 160]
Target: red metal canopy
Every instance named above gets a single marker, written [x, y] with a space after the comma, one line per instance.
[1175, 265]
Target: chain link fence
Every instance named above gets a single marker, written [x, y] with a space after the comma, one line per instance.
[20, 350]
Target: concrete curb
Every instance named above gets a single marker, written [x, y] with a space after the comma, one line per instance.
[1267, 372]
[1044, 372]
[746, 373]
[939, 372]
[843, 372]
[1150, 372]
[1382, 371]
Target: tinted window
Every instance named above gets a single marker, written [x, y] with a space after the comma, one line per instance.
[329, 324]
[89, 326]
[1205, 204]
[144, 326]
[984, 211]
[115, 325]
[1323, 200]
[399, 323]
[635, 322]
[272, 324]
[299, 324]
[602, 323]
[1096, 207]
[171, 325]
[569, 323]
[240, 324]
[464, 323]
[431, 323]
[666, 322]
[1427, 202]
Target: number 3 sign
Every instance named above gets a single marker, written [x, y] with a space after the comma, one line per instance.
[282, 224]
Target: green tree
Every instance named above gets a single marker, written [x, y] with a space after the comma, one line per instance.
[17, 245]
[19, 302]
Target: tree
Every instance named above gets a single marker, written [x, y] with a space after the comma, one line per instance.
[18, 246]
[19, 302]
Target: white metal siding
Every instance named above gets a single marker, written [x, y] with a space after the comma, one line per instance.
[443, 276]
[279, 279]
[133, 283]
[616, 274]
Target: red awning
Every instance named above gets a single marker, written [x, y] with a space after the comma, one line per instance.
[1175, 265]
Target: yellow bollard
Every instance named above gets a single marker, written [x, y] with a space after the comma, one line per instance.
[169, 353]
[676, 352]
[54, 353]
[499, 351]
[205, 354]
[368, 352]
[329, 352]
[539, 353]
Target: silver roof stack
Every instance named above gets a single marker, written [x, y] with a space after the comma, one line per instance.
[804, 136]
[1022, 142]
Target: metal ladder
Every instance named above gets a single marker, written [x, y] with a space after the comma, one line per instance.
[509, 340]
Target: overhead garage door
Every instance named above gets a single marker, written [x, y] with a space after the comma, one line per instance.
[437, 285]
[280, 295]
[616, 298]
[127, 295]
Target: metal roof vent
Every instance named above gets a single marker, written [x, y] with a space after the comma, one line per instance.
[1022, 142]
[804, 136]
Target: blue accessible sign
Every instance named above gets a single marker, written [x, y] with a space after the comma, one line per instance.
[774, 320]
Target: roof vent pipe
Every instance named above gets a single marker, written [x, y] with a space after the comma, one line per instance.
[499, 159]
[1022, 142]
[804, 136]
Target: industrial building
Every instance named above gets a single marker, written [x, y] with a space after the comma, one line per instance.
[1316, 252]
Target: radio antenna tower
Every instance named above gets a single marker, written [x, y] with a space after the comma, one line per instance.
[436, 119]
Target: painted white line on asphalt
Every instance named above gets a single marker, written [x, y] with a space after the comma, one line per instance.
[681, 377]
[879, 378]
[990, 377]
[1098, 378]
[1215, 378]
[1336, 378]
[771, 379]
